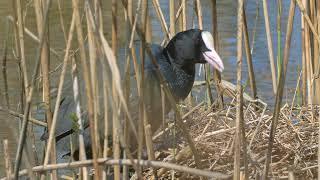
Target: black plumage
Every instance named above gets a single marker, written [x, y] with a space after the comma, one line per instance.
[176, 63]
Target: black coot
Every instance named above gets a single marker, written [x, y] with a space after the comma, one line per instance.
[177, 65]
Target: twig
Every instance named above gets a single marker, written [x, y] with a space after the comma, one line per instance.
[34, 37]
[145, 163]
[151, 156]
[183, 118]
[15, 114]
[296, 90]
[221, 131]
[258, 127]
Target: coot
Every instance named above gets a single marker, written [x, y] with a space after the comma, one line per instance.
[176, 64]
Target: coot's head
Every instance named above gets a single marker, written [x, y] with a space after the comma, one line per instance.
[193, 46]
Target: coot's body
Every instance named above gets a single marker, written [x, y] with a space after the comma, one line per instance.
[176, 64]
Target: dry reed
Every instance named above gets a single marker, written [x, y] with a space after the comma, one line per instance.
[249, 57]
[280, 88]
[284, 135]
[45, 66]
[270, 48]
[57, 104]
[20, 25]
[29, 94]
[216, 74]
[4, 65]
[82, 153]
[7, 158]
[239, 115]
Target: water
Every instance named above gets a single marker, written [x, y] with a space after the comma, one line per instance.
[227, 27]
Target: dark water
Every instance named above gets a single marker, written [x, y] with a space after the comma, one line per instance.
[227, 22]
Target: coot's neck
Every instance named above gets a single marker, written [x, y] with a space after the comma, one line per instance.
[181, 77]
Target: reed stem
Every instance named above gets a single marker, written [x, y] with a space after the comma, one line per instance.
[239, 114]
[115, 133]
[93, 74]
[184, 16]
[316, 56]
[21, 45]
[270, 48]
[279, 54]
[23, 133]
[280, 89]
[303, 59]
[61, 21]
[4, 66]
[144, 163]
[7, 160]
[249, 57]
[319, 148]
[61, 81]
[88, 88]
[172, 18]
[216, 74]
[207, 68]
[169, 95]
[45, 69]
[127, 84]
[160, 16]
[76, 96]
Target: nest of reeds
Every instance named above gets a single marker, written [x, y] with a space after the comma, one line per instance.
[213, 131]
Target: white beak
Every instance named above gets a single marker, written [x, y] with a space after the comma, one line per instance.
[211, 56]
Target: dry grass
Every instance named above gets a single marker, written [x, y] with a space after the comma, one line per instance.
[295, 143]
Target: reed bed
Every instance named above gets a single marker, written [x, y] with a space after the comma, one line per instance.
[235, 136]
[213, 130]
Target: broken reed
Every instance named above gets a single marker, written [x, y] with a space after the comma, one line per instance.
[310, 13]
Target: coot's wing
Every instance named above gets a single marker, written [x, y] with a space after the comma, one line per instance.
[66, 120]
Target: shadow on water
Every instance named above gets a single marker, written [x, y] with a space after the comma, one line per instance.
[227, 39]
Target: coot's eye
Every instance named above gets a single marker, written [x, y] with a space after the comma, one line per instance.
[199, 40]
